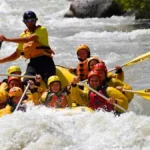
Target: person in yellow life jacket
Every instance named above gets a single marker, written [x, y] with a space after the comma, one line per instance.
[114, 82]
[119, 74]
[15, 90]
[35, 90]
[83, 53]
[88, 98]
[15, 94]
[54, 97]
[33, 44]
[12, 82]
[13, 99]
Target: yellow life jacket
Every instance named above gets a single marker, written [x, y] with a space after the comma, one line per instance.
[6, 110]
[120, 98]
[113, 82]
[34, 49]
[34, 97]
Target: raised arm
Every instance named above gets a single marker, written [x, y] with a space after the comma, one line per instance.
[32, 37]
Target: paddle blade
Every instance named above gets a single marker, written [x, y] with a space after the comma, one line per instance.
[143, 93]
[138, 59]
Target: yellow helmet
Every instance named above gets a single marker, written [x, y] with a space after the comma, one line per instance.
[82, 46]
[15, 91]
[53, 79]
[12, 69]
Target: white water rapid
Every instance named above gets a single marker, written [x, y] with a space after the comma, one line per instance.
[115, 40]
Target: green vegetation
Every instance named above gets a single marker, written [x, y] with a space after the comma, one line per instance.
[141, 7]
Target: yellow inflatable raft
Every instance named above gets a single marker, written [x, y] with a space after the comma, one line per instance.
[65, 76]
[75, 110]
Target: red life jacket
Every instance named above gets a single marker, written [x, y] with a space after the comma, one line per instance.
[97, 102]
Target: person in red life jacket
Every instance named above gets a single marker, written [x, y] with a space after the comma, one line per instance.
[95, 81]
[113, 82]
[54, 97]
[33, 44]
[83, 53]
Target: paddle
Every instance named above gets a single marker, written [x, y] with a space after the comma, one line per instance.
[143, 93]
[135, 60]
[17, 75]
[86, 85]
[1, 44]
[23, 95]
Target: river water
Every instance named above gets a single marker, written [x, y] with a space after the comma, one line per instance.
[115, 40]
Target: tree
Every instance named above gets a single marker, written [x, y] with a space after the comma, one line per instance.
[141, 7]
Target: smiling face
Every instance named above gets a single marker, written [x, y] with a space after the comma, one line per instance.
[96, 79]
[55, 86]
[94, 82]
[83, 54]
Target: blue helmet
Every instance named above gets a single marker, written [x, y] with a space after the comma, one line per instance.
[29, 15]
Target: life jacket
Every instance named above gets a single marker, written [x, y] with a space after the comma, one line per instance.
[82, 70]
[34, 49]
[97, 102]
[56, 100]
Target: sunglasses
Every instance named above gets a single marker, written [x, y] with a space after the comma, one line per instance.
[30, 20]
